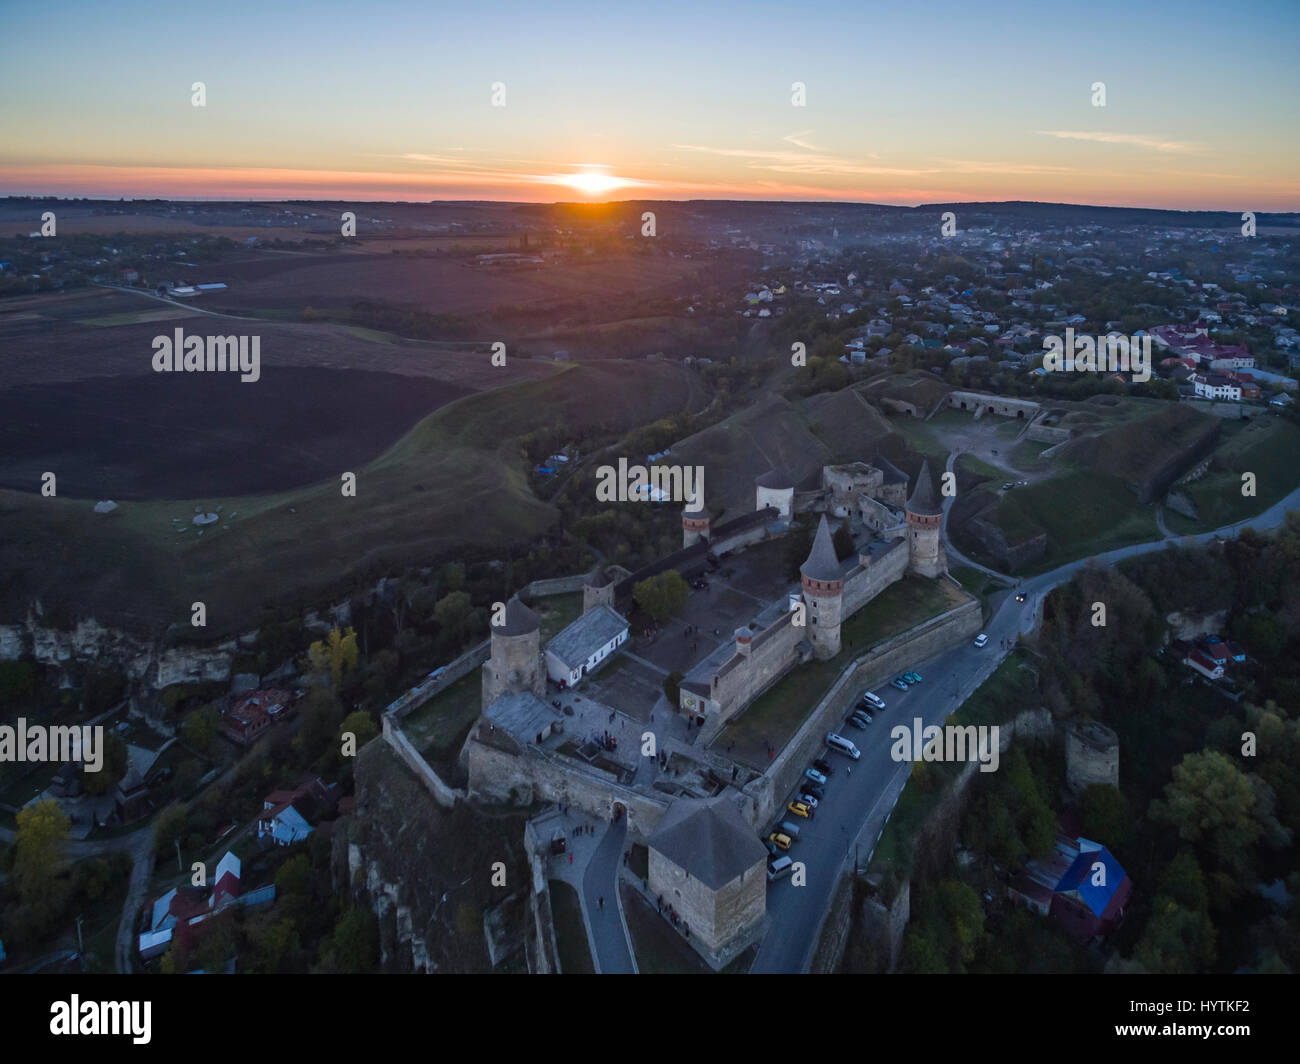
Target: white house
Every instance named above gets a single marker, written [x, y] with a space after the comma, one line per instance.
[584, 644]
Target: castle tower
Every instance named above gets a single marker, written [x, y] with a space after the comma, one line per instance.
[775, 488]
[516, 661]
[1091, 755]
[823, 588]
[925, 553]
[597, 591]
[695, 520]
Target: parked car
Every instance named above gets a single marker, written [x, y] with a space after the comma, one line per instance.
[873, 699]
[799, 808]
[857, 721]
[823, 766]
[772, 848]
[1007, 486]
[809, 799]
[778, 867]
[815, 776]
[981, 640]
[816, 790]
[863, 716]
[779, 840]
[898, 682]
[912, 677]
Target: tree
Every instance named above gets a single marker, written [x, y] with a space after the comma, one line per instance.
[1223, 812]
[452, 614]
[672, 687]
[354, 944]
[360, 725]
[111, 770]
[200, 728]
[1105, 815]
[337, 654]
[169, 826]
[41, 830]
[662, 596]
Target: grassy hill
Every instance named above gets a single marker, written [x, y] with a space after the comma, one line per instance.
[459, 476]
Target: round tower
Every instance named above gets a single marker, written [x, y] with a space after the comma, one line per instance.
[925, 551]
[515, 664]
[775, 488]
[597, 591]
[695, 520]
[823, 589]
[1091, 755]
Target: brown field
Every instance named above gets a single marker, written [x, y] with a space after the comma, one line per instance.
[439, 285]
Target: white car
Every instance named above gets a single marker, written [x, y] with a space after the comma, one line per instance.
[981, 640]
[873, 699]
[815, 776]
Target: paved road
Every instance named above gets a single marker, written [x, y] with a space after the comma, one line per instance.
[601, 880]
[858, 802]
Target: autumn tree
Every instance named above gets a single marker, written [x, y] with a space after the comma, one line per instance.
[336, 654]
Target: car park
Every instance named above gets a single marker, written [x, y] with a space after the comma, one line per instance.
[898, 682]
[981, 640]
[799, 809]
[823, 766]
[815, 776]
[872, 699]
[779, 840]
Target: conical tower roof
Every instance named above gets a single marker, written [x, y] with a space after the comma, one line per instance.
[822, 563]
[922, 500]
[519, 620]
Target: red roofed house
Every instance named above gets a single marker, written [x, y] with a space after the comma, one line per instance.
[254, 713]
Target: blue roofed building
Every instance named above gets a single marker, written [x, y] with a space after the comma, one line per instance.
[1080, 885]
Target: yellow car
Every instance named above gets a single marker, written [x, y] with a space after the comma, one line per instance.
[780, 841]
[799, 808]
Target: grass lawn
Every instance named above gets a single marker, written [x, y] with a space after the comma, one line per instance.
[1082, 513]
[556, 612]
[922, 438]
[1024, 456]
[780, 711]
[438, 728]
[570, 931]
[1269, 447]
[970, 464]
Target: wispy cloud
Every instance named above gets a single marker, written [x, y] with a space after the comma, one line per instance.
[1136, 140]
[807, 163]
[797, 139]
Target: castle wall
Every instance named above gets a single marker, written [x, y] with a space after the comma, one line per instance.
[496, 775]
[394, 737]
[781, 498]
[903, 651]
[981, 403]
[739, 540]
[882, 570]
[880, 518]
[768, 661]
[1091, 756]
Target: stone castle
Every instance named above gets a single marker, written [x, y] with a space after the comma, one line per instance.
[907, 537]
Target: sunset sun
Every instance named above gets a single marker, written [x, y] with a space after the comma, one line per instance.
[592, 182]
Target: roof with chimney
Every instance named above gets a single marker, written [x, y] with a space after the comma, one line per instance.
[822, 563]
[922, 500]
